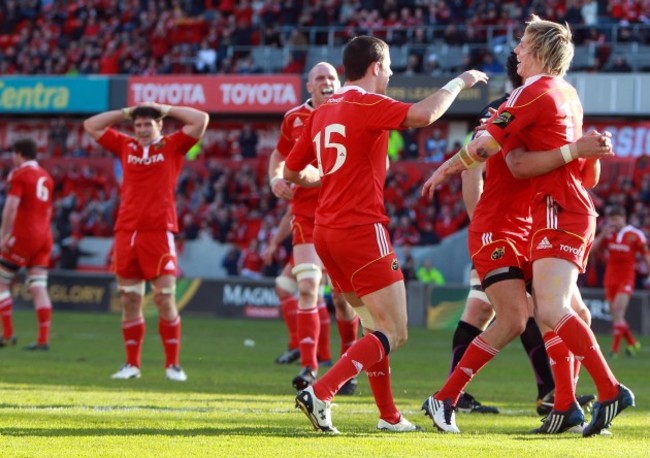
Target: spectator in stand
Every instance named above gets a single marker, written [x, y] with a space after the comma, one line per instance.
[406, 233]
[251, 263]
[644, 190]
[408, 264]
[71, 252]
[447, 222]
[413, 65]
[432, 65]
[435, 146]
[248, 141]
[411, 148]
[230, 262]
[395, 145]
[491, 65]
[247, 66]
[293, 65]
[206, 58]
[428, 274]
[58, 145]
[619, 65]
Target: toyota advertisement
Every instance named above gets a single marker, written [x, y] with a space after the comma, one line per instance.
[220, 94]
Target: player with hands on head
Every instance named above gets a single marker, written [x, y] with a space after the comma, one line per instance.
[144, 247]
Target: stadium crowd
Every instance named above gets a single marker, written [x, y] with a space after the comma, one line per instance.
[147, 37]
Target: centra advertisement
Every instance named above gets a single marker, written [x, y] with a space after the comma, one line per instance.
[41, 94]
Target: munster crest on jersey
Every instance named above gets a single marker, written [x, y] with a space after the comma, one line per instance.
[395, 264]
[498, 253]
[503, 119]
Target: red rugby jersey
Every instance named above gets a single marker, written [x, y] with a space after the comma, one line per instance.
[148, 195]
[305, 200]
[623, 246]
[34, 186]
[348, 135]
[546, 113]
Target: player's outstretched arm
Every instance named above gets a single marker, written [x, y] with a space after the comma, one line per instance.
[469, 156]
[429, 110]
[528, 164]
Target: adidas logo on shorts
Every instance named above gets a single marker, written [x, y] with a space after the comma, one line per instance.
[544, 244]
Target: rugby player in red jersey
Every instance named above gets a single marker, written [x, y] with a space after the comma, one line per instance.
[623, 243]
[535, 128]
[26, 240]
[312, 317]
[348, 137]
[144, 232]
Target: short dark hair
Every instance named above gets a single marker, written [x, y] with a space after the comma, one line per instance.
[511, 70]
[26, 147]
[146, 112]
[616, 210]
[359, 53]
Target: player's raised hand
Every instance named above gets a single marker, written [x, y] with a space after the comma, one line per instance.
[471, 77]
[281, 189]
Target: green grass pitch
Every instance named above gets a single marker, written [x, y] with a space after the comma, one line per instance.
[237, 402]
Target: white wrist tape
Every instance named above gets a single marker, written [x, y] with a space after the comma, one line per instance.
[566, 154]
[275, 180]
[454, 86]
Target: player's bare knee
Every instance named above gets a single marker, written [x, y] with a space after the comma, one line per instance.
[477, 312]
[308, 289]
[131, 304]
[165, 299]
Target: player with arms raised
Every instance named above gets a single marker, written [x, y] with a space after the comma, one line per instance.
[144, 232]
